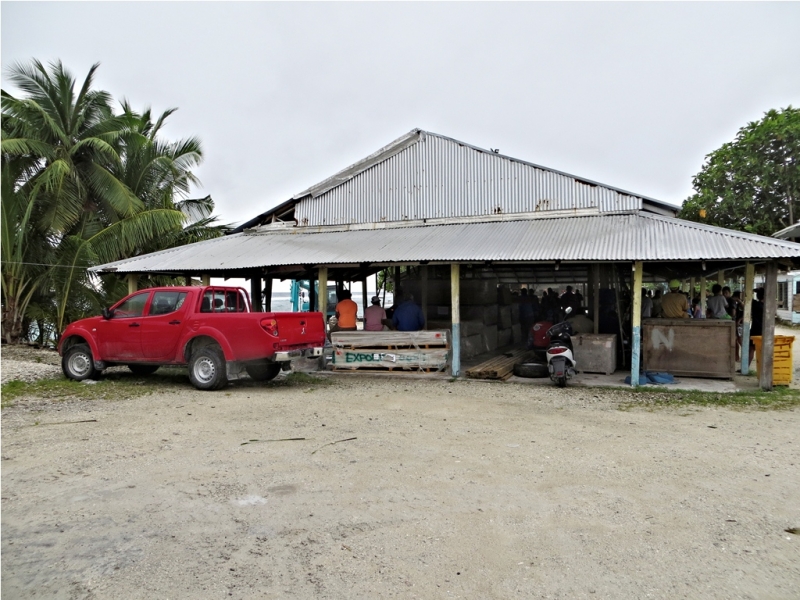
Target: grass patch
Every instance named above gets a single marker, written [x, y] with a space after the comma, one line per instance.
[780, 398]
[111, 386]
[122, 385]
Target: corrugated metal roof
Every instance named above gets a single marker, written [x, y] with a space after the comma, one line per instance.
[628, 237]
[423, 175]
[428, 176]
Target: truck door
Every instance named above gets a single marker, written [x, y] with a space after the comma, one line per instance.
[162, 326]
[120, 337]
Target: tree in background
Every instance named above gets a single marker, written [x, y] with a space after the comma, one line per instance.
[88, 187]
[752, 183]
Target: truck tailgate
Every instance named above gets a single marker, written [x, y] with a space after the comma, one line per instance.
[299, 330]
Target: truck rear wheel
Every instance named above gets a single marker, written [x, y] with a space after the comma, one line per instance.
[263, 371]
[78, 363]
[207, 368]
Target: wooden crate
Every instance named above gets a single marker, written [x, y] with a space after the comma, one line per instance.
[419, 351]
[689, 347]
[595, 353]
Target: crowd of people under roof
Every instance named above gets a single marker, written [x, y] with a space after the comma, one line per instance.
[552, 307]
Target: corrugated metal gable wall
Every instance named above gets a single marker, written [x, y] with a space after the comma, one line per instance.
[439, 178]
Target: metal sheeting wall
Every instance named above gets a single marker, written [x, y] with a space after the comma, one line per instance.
[440, 178]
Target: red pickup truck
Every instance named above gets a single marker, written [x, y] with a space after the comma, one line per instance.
[212, 329]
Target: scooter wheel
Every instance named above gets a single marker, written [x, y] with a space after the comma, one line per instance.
[531, 369]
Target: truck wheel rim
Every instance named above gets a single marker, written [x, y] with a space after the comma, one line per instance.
[80, 364]
[205, 370]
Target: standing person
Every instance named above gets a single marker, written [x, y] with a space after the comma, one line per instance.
[757, 319]
[657, 303]
[674, 304]
[408, 316]
[374, 316]
[718, 304]
[346, 313]
[526, 315]
[647, 304]
[568, 299]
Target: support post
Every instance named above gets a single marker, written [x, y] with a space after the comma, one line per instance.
[255, 292]
[364, 297]
[703, 294]
[396, 278]
[455, 297]
[312, 293]
[424, 284]
[636, 323]
[721, 278]
[268, 294]
[188, 279]
[205, 279]
[767, 358]
[596, 297]
[133, 282]
[323, 293]
[747, 299]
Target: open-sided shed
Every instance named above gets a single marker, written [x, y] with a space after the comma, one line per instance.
[426, 200]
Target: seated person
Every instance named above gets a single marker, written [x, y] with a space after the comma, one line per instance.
[375, 317]
[408, 316]
[346, 313]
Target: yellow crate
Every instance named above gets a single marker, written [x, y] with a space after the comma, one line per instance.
[782, 363]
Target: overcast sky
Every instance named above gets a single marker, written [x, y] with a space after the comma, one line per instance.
[283, 95]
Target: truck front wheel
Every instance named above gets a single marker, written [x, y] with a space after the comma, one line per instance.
[78, 363]
[263, 371]
[207, 369]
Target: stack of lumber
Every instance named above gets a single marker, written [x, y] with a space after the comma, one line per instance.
[424, 351]
[500, 367]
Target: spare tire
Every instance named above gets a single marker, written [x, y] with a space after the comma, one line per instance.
[531, 369]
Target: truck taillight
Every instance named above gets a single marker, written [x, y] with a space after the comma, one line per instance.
[270, 326]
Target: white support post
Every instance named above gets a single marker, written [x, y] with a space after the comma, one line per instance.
[206, 279]
[455, 296]
[747, 298]
[703, 294]
[767, 358]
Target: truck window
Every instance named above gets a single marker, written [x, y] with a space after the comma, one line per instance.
[132, 307]
[166, 302]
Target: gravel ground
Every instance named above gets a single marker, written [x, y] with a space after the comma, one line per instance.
[389, 488]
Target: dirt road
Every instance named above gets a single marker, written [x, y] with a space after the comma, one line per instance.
[397, 489]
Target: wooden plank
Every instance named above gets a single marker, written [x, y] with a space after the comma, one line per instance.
[386, 339]
[499, 367]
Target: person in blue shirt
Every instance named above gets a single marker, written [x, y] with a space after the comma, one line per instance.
[408, 316]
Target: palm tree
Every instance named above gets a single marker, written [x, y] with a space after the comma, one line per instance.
[93, 186]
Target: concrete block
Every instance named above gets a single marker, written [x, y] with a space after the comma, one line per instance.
[504, 317]
[489, 335]
[486, 314]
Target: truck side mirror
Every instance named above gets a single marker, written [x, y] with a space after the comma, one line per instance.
[107, 313]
